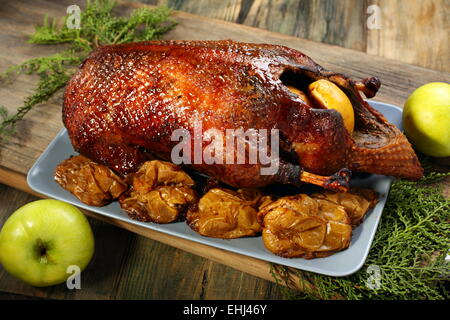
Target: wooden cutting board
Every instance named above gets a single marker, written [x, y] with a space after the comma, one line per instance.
[17, 155]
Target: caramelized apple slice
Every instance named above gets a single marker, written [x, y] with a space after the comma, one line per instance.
[161, 192]
[328, 95]
[92, 183]
[227, 214]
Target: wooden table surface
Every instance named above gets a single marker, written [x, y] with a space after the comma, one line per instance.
[129, 266]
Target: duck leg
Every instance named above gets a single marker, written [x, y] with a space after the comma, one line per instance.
[293, 174]
[337, 182]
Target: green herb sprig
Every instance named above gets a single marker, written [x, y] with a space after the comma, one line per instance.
[409, 249]
[99, 26]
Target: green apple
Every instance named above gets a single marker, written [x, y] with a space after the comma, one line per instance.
[426, 119]
[42, 239]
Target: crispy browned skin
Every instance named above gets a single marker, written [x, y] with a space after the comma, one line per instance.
[126, 100]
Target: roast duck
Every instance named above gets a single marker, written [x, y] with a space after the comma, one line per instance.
[125, 102]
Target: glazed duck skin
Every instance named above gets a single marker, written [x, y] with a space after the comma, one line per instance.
[126, 100]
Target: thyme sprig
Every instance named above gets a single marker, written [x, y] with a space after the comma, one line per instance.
[99, 26]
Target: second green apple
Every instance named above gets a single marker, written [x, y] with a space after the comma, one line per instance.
[426, 119]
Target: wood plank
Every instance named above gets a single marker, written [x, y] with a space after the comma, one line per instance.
[413, 31]
[41, 125]
[11, 296]
[334, 22]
